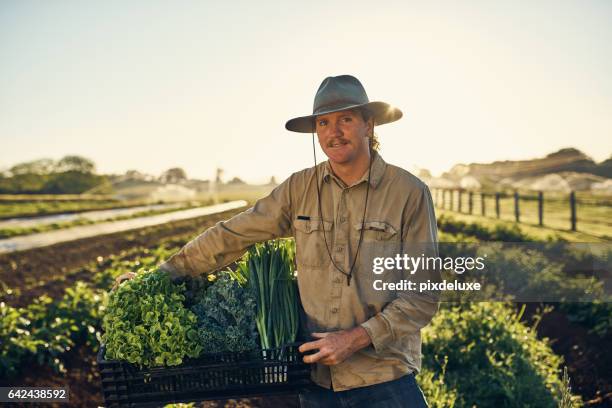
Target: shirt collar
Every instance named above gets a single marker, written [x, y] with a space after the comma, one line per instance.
[378, 169]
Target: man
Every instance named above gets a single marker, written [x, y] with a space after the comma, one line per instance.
[366, 349]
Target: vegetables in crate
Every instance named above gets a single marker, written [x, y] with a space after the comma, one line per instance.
[147, 324]
[226, 317]
[268, 272]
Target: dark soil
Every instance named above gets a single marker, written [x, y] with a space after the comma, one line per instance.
[586, 355]
[49, 270]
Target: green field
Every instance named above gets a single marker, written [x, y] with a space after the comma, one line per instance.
[593, 212]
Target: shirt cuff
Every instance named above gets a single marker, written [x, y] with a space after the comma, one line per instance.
[170, 270]
[380, 332]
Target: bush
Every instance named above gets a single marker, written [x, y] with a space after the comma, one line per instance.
[498, 233]
[435, 389]
[490, 358]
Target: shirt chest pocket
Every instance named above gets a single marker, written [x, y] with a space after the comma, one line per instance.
[377, 231]
[310, 242]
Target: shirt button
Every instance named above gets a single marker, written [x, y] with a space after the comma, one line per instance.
[337, 279]
[342, 219]
[339, 249]
[334, 310]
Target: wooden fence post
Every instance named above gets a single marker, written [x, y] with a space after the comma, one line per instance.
[482, 204]
[540, 208]
[459, 200]
[517, 215]
[497, 204]
[573, 209]
[471, 202]
[452, 202]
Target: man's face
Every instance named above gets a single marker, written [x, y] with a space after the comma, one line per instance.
[343, 135]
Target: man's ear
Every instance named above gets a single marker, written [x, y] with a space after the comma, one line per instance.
[370, 125]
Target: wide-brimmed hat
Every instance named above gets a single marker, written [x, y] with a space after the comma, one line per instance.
[341, 93]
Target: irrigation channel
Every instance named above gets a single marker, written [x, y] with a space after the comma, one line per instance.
[53, 237]
[96, 215]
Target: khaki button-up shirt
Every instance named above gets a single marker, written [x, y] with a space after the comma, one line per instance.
[399, 210]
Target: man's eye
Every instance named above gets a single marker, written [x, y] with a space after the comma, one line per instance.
[347, 119]
[322, 122]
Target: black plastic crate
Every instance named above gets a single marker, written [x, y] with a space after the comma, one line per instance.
[213, 376]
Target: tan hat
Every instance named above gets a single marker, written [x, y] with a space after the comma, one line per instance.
[341, 93]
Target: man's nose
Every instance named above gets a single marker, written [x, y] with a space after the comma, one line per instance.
[335, 129]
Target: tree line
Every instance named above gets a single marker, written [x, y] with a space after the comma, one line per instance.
[70, 175]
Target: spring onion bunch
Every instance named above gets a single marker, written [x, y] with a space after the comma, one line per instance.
[268, 272]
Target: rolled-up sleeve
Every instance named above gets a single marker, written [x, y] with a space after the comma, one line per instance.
[227, 241]
[410, 311]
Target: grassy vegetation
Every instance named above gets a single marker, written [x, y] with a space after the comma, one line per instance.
[556, 264]
[534, 233]
[593, 212]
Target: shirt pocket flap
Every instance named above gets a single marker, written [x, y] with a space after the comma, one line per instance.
[311, 225]
[382, 230]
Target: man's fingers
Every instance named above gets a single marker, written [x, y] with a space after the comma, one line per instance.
[329, 361]
[121, 278]
[319, 335]
[311, 345]
[313, 358]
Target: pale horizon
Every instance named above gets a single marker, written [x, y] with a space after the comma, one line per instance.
[199, 85]
[228, 175]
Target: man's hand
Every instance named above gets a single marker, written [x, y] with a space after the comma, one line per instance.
[166, 267]
[335, 347]
[121, 278]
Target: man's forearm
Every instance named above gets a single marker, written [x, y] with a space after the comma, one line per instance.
[359, 338]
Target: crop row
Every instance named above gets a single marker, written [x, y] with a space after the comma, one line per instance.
[19, 231]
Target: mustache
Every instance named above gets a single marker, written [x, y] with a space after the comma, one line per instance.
[337, 140]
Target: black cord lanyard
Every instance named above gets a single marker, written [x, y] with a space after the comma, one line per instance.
[350, 273]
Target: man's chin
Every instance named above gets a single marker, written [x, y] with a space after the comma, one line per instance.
[338, 159]
[337, 156]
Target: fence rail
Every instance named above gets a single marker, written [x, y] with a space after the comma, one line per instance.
[555, 210]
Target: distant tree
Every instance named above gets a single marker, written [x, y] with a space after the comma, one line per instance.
[40, 166]
[27, 183]
[76, 163]
[70, 175]
[72, 182]
[273, 181]
[173, 175]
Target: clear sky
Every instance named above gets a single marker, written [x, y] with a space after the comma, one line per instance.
[150, 85]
